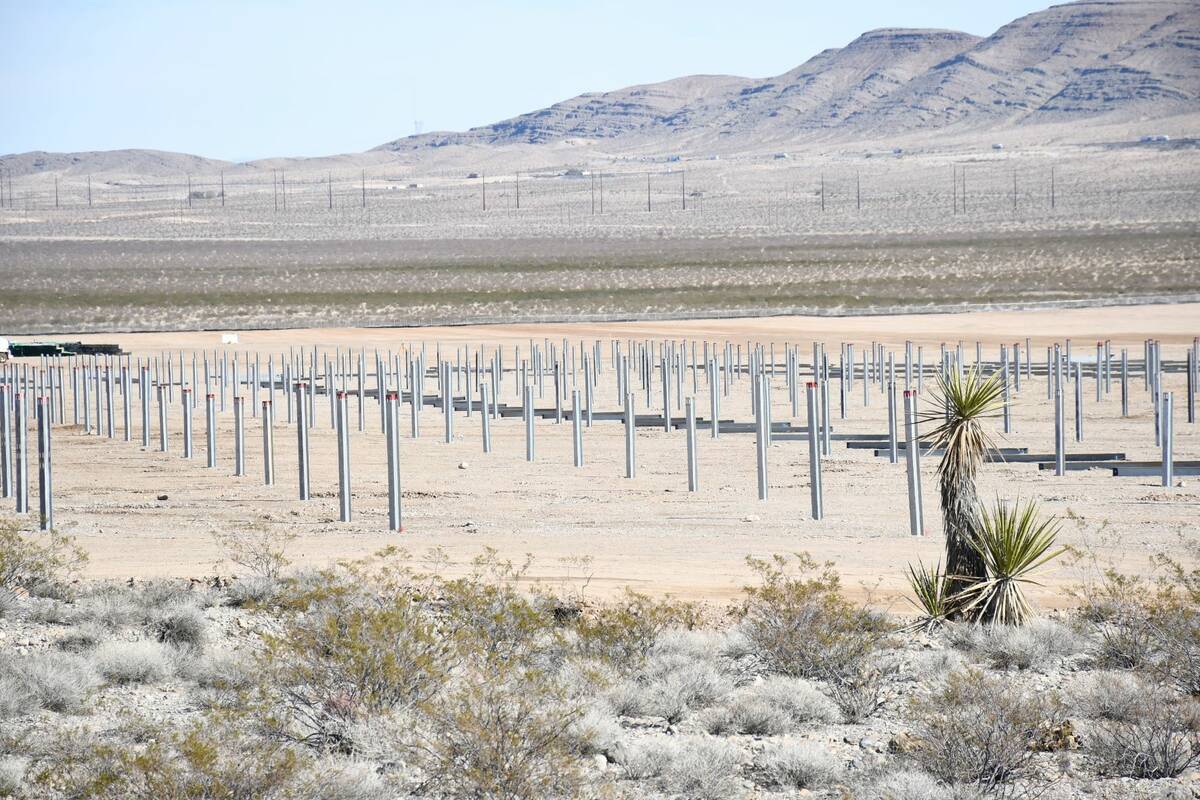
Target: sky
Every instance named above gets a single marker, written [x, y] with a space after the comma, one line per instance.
[244, 80]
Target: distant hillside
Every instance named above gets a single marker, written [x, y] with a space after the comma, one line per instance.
[1106, 60]
[152, 163]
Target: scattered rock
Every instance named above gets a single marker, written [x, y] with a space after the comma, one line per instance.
[903, 742]
[750, 518]
[1056, 738]
[162, 497]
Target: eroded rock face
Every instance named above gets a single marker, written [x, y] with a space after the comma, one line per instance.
[1119, 61]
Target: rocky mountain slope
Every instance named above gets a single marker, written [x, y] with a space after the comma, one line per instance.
[1104, 60]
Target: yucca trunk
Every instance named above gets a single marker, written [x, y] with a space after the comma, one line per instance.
[960, 521]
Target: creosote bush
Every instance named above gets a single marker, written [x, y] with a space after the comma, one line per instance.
[977, 731]
[1158, 738]
[797, 764]
[27, 562]
[49, 679]
[132, 662]
[801, 624]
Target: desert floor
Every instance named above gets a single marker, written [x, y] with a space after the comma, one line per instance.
[649, 533]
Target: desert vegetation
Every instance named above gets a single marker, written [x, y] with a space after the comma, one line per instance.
[371, 679]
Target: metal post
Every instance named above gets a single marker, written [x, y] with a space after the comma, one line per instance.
[814, 451]
[162, 418]
[392, 435]
[761, 434]
[1078, 402]
[916, 511]
[210, 429]
[1060, 443]
[343, 439]
[239, 435]
[485, 417]
[529, 429]
[630, 424]
[45, 474]
[1168, 440]
[21, 455]
[185, 401]
[576, 428]
[302, 412]
[693, 467]
[268, 437]
[6, 466]
[1124, 382]
[892, 433]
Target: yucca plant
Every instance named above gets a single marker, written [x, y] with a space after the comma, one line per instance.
[1012, 541]
[931, 594]
[961, 404]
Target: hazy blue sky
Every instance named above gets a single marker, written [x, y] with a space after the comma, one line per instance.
[244, 80]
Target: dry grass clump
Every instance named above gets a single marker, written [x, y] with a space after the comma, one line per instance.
[81, 638]
[51, 680]
[904, 784]
[646, 758]
[1159, 737]
[1108, 695]
[772, 706]
[703, 768]
[180, 625]
[977, 731]
[797, 764]
[1037, 645]
[132, 662]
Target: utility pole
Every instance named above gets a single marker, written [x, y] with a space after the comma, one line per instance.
[1051, 188]
[858, 191]
[222, 188]
[483, 184]
[683, 189]
[822, 193]
[601, 191]
[1014, 191]
[647, 191]
[275, 188]
[189, 190]
[954, 187]
[364, 188]
[963, 173]
[329, 183]
[56, 191]
[283, 187]
[592, 173]
[518, 190]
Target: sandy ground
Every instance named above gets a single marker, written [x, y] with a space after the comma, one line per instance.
[648, 533]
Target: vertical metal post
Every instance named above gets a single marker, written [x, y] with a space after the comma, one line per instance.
[239, 435]
[45, 473]
[916, 511]
[162, 418]
[893, 447]
[1060, 439]
[392, 435]
[302, 412]
[20, 455]
[1124, 382]
[1168, 440]
[814, 451]
[630, 425]
[210, 429]
[1078, 402]
[576, 428]
[185, 402]
[6, 465]
[763, 431]
[1006, 393]
[343, 439]
[529, 428]
[268, 439]
[485, 417]
[693, 466]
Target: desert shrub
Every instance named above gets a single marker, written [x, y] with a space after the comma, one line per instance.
[1036, 645]
[180, 625]
[646, 758]
[260, 551]
[1113, 696]
[801, 624]
[12, 774]
[222, 678]
[624, 633]
[904, 784]
[858, 690]
[207, 762]
[703, 768]
[1159, 739]
[113, 608]
[341, 779]
[132, 662]
[350, 656]
[771, 707]
[47, 612]
[797, 764]
[9, 604]
[926, 664]
[27, 561]
[47, 679]
[81, 638]
[252, 590]
[504, 731]
[594, 731]
[977, 730]
[931, 595]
